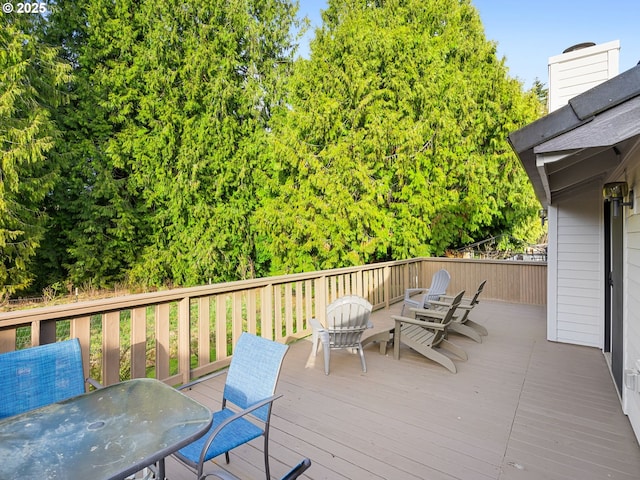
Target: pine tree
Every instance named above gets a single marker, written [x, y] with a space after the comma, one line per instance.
[393, 143]
[173, 101]
[32, 83]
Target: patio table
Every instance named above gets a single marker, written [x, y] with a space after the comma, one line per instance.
[109, 433]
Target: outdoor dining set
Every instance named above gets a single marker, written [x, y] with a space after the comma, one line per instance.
[53, 426]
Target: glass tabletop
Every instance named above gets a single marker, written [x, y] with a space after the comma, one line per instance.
[109, 433]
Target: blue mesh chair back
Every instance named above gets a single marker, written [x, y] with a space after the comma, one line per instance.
[38, 376]
[250, 387]
[253, 373]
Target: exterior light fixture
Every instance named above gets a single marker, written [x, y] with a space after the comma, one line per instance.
[616, 192]
[543, 215]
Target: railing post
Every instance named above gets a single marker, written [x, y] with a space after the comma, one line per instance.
[266, 312]
[221, 327]
[163, 312]
[321, 299]
[81, 329]
[387, 285]
[184, 339]
[204, 328]
[407, 275]
[7, 340]
[139, 342]
[236, 316]
[111, 348]
[424, 278]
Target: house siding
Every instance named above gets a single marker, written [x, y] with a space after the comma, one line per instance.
[578, 271]
[631, 398]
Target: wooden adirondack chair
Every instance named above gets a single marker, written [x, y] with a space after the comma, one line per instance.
[462, 324]
[428, 331]
[439, 283]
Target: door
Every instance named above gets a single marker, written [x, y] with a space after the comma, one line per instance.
[614, 291]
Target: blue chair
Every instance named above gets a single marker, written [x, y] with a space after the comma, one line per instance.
[38, 376]
[250, 386]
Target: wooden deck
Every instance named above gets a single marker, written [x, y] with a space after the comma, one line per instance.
[520, 408]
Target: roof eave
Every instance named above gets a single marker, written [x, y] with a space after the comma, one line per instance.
[580, 110]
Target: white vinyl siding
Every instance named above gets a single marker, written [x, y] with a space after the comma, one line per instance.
[631, 399]
[579, 303]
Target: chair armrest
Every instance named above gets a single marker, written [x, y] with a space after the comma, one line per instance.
[437, 326]
[413, 291]
[190, 384]
[439, 303]
[465, 307]
[226, 422]
[316, 325]
[451, 297]
[94, 383]
[429, 313]
[409, 301]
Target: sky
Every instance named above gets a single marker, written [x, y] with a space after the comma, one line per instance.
[528, 33]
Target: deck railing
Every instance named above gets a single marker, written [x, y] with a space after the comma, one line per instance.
[178, 335]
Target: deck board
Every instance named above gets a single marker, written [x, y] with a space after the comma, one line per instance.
[520, 408]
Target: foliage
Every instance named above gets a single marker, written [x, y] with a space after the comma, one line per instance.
[31, 83]
[394, 140]
[164, 139]
[542, 94]
[193, 148]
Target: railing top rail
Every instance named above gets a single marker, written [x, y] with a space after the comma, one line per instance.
[141, 300]
[89, 307]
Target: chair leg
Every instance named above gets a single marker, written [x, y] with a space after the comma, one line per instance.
[477, 327]
[396, 341]
[315, 338]
[455, 349]
[465, 330]
[327, 353]
[440, 358]
[364, 364]
[266, 455]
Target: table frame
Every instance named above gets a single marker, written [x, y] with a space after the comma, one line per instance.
[90, 423]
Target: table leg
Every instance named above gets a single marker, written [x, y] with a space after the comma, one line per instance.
[161, 475]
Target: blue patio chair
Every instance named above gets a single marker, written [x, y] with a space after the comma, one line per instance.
[41, 375]
[250, 387]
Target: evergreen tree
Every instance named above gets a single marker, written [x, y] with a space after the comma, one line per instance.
[32, 82]
[173, 100]
[393, 144]
[96, 224]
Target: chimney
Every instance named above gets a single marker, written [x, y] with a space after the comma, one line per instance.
[580, 68]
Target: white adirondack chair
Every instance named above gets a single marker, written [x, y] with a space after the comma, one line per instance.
[347, 319]
[439, 283]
